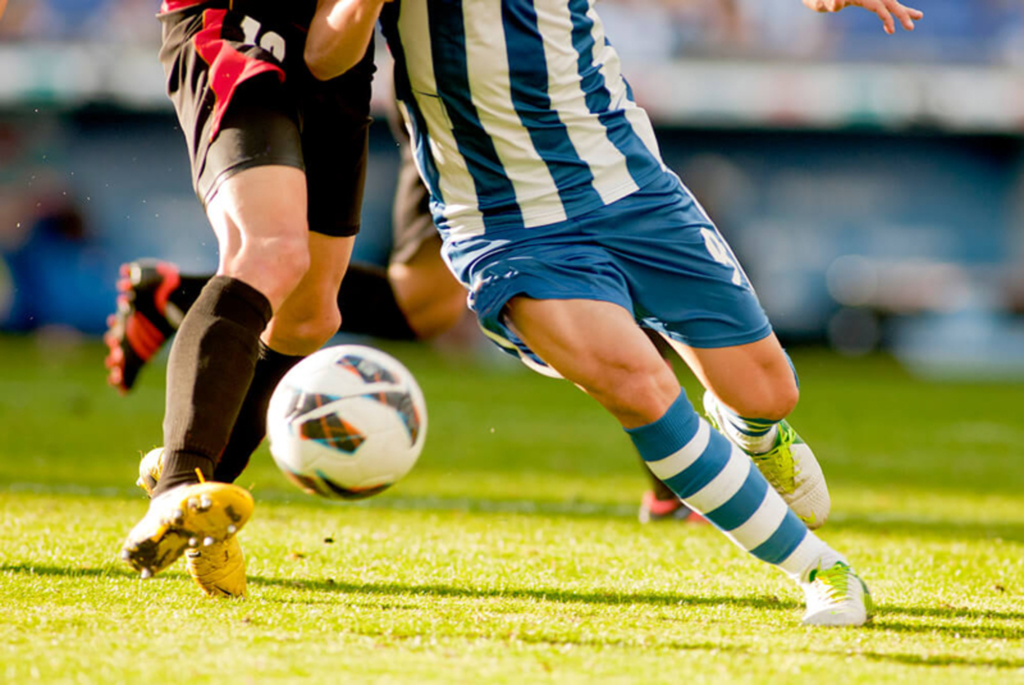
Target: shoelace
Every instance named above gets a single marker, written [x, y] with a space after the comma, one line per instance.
[834, 582]
[782, 464]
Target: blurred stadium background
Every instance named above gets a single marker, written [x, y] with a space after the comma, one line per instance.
[873, 186]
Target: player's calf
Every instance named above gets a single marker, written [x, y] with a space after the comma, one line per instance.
[714, 477]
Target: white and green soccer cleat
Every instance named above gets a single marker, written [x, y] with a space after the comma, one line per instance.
[836, 596]
[789, 466]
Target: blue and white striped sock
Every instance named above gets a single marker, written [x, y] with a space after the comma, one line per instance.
[754, 436]
[717, 479]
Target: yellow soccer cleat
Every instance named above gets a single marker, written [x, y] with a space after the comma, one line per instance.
[218, 569]
[185, 516]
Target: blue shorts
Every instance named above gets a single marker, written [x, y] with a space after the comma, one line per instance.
[656, 253]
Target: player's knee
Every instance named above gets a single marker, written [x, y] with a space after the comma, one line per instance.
[288, 259]
[304, 330]
[774, 404]
[324, 325]
[636, 393]
[437, 319]
[275, 267]
[320, 322]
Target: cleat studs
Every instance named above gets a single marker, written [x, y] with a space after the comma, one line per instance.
[125, 554]
[177, 516]
[193, 542]
[205, 503]
[146, 573]
[208, 541]
[232, 529]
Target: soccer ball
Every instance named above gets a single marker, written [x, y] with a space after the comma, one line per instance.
[347, 422]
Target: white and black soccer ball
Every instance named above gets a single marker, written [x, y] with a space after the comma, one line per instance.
[347, 422]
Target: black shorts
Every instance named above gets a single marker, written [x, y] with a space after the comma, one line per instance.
[239, 83]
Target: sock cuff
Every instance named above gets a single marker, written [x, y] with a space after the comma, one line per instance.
[236, 300]
[180, 467]
[669, 434]
[275, 359]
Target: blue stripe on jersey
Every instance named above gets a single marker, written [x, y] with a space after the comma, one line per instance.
[529, 82]
[494, 190]
[741, 506]
[777, 548]
[620, 132]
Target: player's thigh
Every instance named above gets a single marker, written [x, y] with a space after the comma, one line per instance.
[754, 380]
[598, 346]
[687, 284]
[259, 217]
[427, 292]
[309, 316]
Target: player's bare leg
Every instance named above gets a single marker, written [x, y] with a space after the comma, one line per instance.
[751, 390]
[598, 346]
[259, 217]
[304, 322]
[430, 297]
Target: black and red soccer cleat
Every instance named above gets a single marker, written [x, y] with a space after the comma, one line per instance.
[144, 320]
[654, 509]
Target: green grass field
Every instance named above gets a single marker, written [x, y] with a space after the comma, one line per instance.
[512, 553]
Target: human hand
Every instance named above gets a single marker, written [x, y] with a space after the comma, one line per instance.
[887, 10]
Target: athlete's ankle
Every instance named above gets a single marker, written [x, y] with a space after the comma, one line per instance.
[182, 468]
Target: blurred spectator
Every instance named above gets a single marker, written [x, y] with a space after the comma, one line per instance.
[52, 270]
[125, 21]
[978, 31]
[59, 274]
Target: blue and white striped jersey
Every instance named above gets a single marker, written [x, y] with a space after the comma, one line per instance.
[518, 110]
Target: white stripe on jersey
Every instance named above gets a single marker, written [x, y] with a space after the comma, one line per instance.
[522, 165]
[491, 92]
[611, 69]
[455, 182]
[567, 97]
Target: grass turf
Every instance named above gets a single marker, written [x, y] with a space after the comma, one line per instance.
[511, 553]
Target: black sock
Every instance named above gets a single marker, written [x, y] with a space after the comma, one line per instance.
[208, 375]
[368, 305]
[188, 290]
[251, 425]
